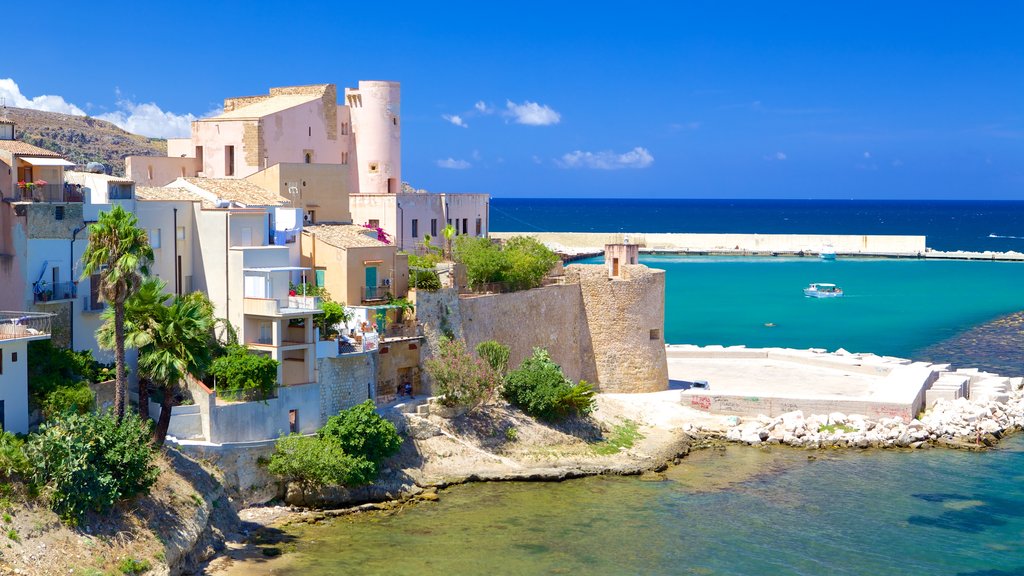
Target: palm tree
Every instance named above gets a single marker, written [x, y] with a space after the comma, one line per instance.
[173, 341]
[120, 252]
[180, 347]
[142, 313]
[448, 232]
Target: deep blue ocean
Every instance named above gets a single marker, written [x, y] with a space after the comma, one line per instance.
[948, 225]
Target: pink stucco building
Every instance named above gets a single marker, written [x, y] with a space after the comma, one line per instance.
[338, 161]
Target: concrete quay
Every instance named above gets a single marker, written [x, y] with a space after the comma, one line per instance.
[576, 245]
[859, 400]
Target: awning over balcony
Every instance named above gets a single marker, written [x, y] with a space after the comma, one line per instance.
[46, 161]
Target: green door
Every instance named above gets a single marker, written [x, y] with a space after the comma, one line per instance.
[320, 278]
[371, 282]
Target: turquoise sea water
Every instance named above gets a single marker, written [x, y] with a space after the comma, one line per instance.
[741, 511]
[894, 307]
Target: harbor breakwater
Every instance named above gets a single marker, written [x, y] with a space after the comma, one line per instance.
[573, 245]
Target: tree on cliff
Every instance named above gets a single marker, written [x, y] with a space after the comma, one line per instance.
[120, 253]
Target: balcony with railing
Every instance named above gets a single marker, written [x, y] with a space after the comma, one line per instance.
[291, 306]
[24, 325]
[59, 292]
[51, 193]
[376, 293]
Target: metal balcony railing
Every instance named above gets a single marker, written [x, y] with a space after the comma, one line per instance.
[373, 293]
[54, 292]
[15, 324]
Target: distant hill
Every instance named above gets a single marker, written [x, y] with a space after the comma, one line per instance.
[82, 139]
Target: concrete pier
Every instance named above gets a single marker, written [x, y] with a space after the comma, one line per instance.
[585, 244]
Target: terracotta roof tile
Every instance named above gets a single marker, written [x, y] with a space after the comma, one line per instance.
[345, 235]
[154, 194]
[24, 148]
[239, 191]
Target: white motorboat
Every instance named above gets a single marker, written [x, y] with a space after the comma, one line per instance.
[823, 290]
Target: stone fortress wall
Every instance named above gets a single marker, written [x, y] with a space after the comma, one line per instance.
[607, 331]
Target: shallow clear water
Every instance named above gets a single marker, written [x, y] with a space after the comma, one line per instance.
[893, 307]
[736, 512]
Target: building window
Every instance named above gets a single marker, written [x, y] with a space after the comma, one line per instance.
[293, 421]
[310, 131]
[58, 212]
[312, 216]
[154, 238]
[180, 234]
[344, 128]
[374, 167]
[465, 225]
[415, 228]
[229, 160]
[309, 158]
[149, 172]
[374, 223]
[344, 158]
[479, 226]
[14, 357]
[394, 120]
[433, 226]
[655, 334]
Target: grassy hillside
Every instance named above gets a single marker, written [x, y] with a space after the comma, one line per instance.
[83, 139]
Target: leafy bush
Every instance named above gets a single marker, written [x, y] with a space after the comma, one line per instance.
[334, 313]
[313, 462]
[308, 289]
[460, 378]
[133, 567]
[242, 375]
[495, 354]
[426, 280]
[539, 388]
[89, 462]
[521, 263]
[347, 451]
[361, 432]
[54, 370]
[428, 260]
[13, 460]
[78, 399]
[527, 261]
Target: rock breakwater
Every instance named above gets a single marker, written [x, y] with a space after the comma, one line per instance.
[959, 423]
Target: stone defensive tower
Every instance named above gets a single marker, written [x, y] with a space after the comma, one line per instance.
[377, 126]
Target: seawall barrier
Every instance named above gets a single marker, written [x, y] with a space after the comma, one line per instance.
[843, 244]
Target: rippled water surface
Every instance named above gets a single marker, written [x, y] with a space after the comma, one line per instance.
[736, 511]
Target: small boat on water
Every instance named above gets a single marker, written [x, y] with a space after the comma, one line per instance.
[823, 290]
[827, 253]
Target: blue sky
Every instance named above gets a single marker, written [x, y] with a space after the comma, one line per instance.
[545, 99]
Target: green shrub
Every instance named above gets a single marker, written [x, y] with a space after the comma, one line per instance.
[539, 388]
[460, 378]
[13, 460]
[347, 451]
[313, 462]
[89, 462]
[78, 399]
[428, 260]
[520, 263]
[133, 567]
[495, 354]
[427, 280]
[242, 375]
[309, 289]
[59, 371]
[334, 313]
[361, 432]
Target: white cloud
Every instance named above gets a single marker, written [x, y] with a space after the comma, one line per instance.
[532, 113]
[455, 119]
[12, 96]
[149, 120]
[867, 154]
[780, 156]
[453, 164]
[145, 119]
[607, 160]
[483, 108]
